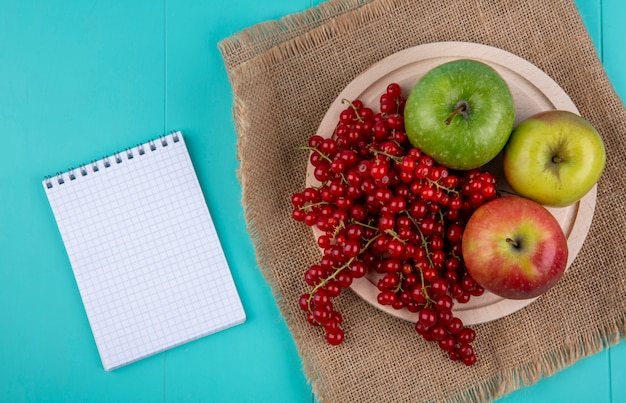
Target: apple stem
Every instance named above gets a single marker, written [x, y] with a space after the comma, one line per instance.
[557, 159]
[513, 242]
[455, 112]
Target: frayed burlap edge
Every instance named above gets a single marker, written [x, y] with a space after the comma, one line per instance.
[263, 37]
[276, 41]
[554, 361]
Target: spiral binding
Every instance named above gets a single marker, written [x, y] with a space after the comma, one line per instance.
[108, 160]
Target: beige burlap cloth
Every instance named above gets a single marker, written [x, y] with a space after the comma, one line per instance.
[284, 76]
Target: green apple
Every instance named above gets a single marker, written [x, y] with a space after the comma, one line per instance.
[554, 157]
[461, 113]
[514, 248]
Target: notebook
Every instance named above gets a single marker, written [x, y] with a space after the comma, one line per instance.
[143, 248]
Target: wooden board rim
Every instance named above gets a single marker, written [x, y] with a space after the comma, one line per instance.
[529, 84]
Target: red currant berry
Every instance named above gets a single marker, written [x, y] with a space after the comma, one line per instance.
[447, 343]
[358, 269]
[465, 350]
[455, 326]
[437, 332]
[428, 317]
[439, 287]
[444, 304]
[453, 354]
[466, 335]
[335, 336]
[394, 90]
[469, 360]
[303, 302]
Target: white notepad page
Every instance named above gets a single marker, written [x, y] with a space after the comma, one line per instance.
[145, 254]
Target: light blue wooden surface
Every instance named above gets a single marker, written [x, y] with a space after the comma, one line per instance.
[79, 80]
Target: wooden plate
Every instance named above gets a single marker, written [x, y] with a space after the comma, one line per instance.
[533, 91]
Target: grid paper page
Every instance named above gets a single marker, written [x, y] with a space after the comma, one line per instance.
[147, 260]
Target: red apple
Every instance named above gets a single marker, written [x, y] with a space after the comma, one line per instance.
[514, 248]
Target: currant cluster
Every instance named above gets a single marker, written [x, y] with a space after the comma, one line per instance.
[385, 208]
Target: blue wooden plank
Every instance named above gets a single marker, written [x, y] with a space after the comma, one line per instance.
[590, 378]
[591, 13]
[76, 79]
[614, 32]
[618, 372]
[586, 381]
[83, 80]
[600, 378]
[256, 361]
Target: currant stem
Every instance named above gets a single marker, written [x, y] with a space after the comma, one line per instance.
[425, 243]
[318, 151]
[365, 225]
[441, 187]
[394, 235]
[338, 228]
[327, 279]
[376, 152]
[356, 112]
[369, 242]
[307, 206]
[399, 286]
[429, 300]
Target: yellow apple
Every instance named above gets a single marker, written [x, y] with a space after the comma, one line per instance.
[554, 158]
